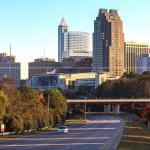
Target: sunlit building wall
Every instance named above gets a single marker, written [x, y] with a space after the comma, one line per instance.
[134, 50]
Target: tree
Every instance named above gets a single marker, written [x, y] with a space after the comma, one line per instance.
[85, 91]
[104, 90]
[33, 109]
[146, 73]
[4, 103]
[120, 89]
[130, 75]
[13, 122]
[7, 85]
[146, 114]
[12, 118]
[57, 103]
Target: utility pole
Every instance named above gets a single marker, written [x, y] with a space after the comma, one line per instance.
[44, 54]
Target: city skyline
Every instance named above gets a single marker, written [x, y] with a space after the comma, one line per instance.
[31, 26]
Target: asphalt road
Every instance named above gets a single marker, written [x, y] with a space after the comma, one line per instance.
[95, 135]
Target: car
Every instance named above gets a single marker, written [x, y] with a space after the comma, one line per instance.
[62, 129]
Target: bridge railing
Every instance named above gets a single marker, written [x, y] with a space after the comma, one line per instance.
[108, 100]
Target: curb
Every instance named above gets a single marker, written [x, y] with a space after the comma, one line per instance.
[115, 140]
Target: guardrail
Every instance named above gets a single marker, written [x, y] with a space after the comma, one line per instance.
[8, 133]
[25, 131]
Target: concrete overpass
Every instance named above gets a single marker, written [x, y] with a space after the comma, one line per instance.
[115, 103]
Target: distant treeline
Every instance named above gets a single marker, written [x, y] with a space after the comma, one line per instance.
[128, 86]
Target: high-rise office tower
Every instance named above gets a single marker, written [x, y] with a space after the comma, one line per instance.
[134, 50]
[62, 40]
[72, 44]
[108, 43]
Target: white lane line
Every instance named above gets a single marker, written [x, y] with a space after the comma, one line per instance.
[92, 129]
[103, 121]
[37, 145]
[64, 138]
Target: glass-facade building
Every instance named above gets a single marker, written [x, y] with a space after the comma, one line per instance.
[72, 44]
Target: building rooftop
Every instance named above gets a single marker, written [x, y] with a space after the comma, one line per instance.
[44, 59]
[63, 23]
[136, 43]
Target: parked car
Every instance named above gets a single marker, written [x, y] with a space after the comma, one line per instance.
[62, 129]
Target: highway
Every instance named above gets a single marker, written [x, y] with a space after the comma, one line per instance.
[100, 133]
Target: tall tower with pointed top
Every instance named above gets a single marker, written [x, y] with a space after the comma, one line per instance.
[72, 43]
[10, 49]
[62, 31]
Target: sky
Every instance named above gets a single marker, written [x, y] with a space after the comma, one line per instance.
[30, 26]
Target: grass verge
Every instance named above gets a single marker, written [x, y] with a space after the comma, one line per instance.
[50, 129]
[75, 121]
[136, 135]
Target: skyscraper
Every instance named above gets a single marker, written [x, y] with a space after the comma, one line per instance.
[62, 40]
[134, 50]
[108, 43]
[72, 44]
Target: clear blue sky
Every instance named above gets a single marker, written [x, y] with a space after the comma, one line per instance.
[31, 25]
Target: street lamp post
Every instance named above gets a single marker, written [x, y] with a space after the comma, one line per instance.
[48, 102]
[85, 109]
[48, 95]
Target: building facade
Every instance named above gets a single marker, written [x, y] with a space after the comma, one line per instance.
[108, 43]
[10, 68]
[66, 81]
[46, 81]
[133, 50]
[42, 65]
[71, 44]
[76, 65]
[142, 64]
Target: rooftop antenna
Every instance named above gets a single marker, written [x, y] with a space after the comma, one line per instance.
[111, 5]
[10, 49]
[44, 55]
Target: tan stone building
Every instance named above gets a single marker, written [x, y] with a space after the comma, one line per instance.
[108, 43]
[134, 50]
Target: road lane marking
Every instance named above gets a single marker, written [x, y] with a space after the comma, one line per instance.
[63, 138]
[46, 144]
[92, 129]
[102, 121]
